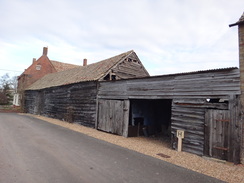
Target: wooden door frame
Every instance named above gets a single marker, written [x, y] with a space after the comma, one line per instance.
[218, 125]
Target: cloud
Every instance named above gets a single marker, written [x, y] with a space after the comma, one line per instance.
[168, 35]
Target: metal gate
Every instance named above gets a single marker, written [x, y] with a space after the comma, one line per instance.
[218, 136]
[113, 116]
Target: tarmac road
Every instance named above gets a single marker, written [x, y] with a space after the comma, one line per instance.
[34, 151]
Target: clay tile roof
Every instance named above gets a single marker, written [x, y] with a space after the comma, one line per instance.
[91, 72]
[59, 66]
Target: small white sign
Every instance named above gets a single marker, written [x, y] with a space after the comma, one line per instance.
[180, 134]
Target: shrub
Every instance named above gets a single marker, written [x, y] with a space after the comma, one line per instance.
[3, 99]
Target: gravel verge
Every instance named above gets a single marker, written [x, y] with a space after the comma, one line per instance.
[154, 147]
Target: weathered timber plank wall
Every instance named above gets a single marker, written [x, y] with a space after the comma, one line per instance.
[190, 118]
[74, 103]
[130, 68]
[216, 83]
[189, 115]
[31, 101]
[235, 129]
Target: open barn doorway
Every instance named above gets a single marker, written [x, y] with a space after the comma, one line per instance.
[150, 118]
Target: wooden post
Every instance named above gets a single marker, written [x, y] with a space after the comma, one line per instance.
[235, 130]
[180, 136]
[138, 130]
[97, 107]
[126, 117]
[179, 144]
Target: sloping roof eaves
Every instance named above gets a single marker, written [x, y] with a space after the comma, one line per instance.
[239, 22]
[91, 72]
[228, 69]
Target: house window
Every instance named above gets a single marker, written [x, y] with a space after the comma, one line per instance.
[38, 67]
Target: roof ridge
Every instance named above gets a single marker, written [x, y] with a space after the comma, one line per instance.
[125, 53]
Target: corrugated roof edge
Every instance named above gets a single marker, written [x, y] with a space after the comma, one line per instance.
[183, 73]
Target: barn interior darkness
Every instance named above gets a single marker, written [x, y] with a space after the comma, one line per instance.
[150, 117]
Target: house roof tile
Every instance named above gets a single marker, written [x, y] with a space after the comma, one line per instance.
[60, 66]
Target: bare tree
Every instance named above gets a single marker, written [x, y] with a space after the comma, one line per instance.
[7, 86]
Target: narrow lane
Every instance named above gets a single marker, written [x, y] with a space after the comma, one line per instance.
[32, 150]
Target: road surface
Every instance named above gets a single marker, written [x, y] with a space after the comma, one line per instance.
[34, 151]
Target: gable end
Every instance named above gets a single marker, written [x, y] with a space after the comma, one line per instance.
[128, 67]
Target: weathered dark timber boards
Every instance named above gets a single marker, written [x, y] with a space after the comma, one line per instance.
[217, 83]
[189, 118]
[76, 103]
[130, 69]
[30, 101]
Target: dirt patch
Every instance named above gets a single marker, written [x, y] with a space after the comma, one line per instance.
[163, 155]
[160, 149]
[9, 109]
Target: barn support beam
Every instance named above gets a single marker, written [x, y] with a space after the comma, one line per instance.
[240, 24]
[235, 129]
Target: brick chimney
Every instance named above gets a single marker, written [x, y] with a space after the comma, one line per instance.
[84, 62]
[33, 61]
[45, 49]
[240, 25]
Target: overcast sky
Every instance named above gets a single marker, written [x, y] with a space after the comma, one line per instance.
[169, 36]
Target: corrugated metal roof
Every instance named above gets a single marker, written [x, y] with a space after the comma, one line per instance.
[202, 71]
[199, 72]
[184, 73]
[91, 72]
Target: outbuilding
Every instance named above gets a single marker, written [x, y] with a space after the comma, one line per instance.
[118, 96]
[71, 95]
[204, 104]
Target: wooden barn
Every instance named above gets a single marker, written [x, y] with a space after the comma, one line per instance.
[204, 104]
[118, 96]
[71, 95]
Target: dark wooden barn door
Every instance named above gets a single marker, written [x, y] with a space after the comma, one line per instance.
[113, 116]
[218, 133]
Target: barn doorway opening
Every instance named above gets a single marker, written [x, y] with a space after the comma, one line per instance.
[150, 118]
